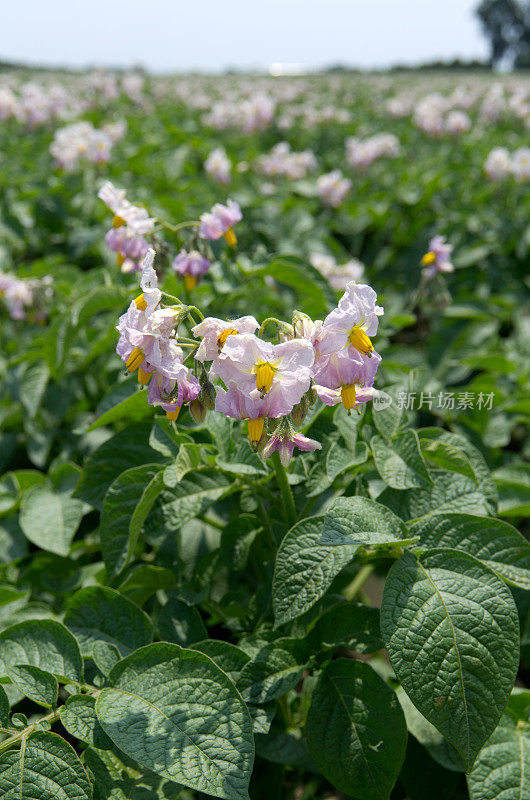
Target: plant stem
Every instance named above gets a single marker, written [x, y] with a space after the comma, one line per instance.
[353, 588]
[23, 734]
[176, 228]
[289, 508]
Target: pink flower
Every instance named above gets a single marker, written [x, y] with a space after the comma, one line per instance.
[170, 394]
[353, 323]
[191, 265]
[282, 372]
[218, 166]
[136, 218]
[332, 188]
[220, 221]
[437, 258]
[129, 247]
[345, 368]
[214, 333]
[285, 439]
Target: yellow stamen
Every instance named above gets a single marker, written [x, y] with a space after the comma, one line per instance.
[255, 429]
[135, 359]
[119, 259]
[190, 282]
[428, 259]
[223, 336]
[361, 342]
[141, 302]
[144, 377]
[118, 221]
[231, 238]
[173, 414]
[264, 377]
[347, 394]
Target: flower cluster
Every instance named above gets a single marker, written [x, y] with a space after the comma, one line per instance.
[282, 161]
[148, 344]
[500, 164]
[361, 153]
[332, 188]
[270, 385]
[82, 141]
[130, 224]
[25, 298]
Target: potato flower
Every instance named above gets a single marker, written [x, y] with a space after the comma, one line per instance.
[191, 265]
[437, 257]
[220, 222]
[353, 323]
[214, 333]
[284, 439]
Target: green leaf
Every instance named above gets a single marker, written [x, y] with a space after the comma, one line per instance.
[351, 625]
[128, 448]
[50, 519]
[228, 657]
[5, 708]
[105, 657]
[452, 621]
[188, 459]
[176, 713]
[400, 462]
[497, 544]
[123, 401]
[143, 581]
[127, 502]
[13, 543]
[188, 499]
[502, 769]
[339, 459]
[78, 715]
[35, 683]
[362, 522]
[180, 623]
[32, 387]
[42, 643]
[46, 769]
[313, 292]
[388, 419]
[305, 569]
[273, 671]
[513, 483]
[98, 614]
[355, 730]
[448, 457]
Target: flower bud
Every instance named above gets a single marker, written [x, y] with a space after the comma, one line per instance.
[302, 325]
[207, 393]
[197, 410]
[285, 332]
[299, 412]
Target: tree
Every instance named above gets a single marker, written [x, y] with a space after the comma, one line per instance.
[507, 25]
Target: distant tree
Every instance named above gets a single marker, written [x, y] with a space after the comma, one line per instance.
[506, 23]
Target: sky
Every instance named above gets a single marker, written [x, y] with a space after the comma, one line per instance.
[212, 35]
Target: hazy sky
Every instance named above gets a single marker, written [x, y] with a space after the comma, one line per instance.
[180, 35]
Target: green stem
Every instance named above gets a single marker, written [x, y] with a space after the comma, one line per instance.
[176, 228]
[353, 588]
[23, 734]
[289, 508]
[265, 323]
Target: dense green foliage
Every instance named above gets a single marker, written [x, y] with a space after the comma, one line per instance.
[178, 617]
